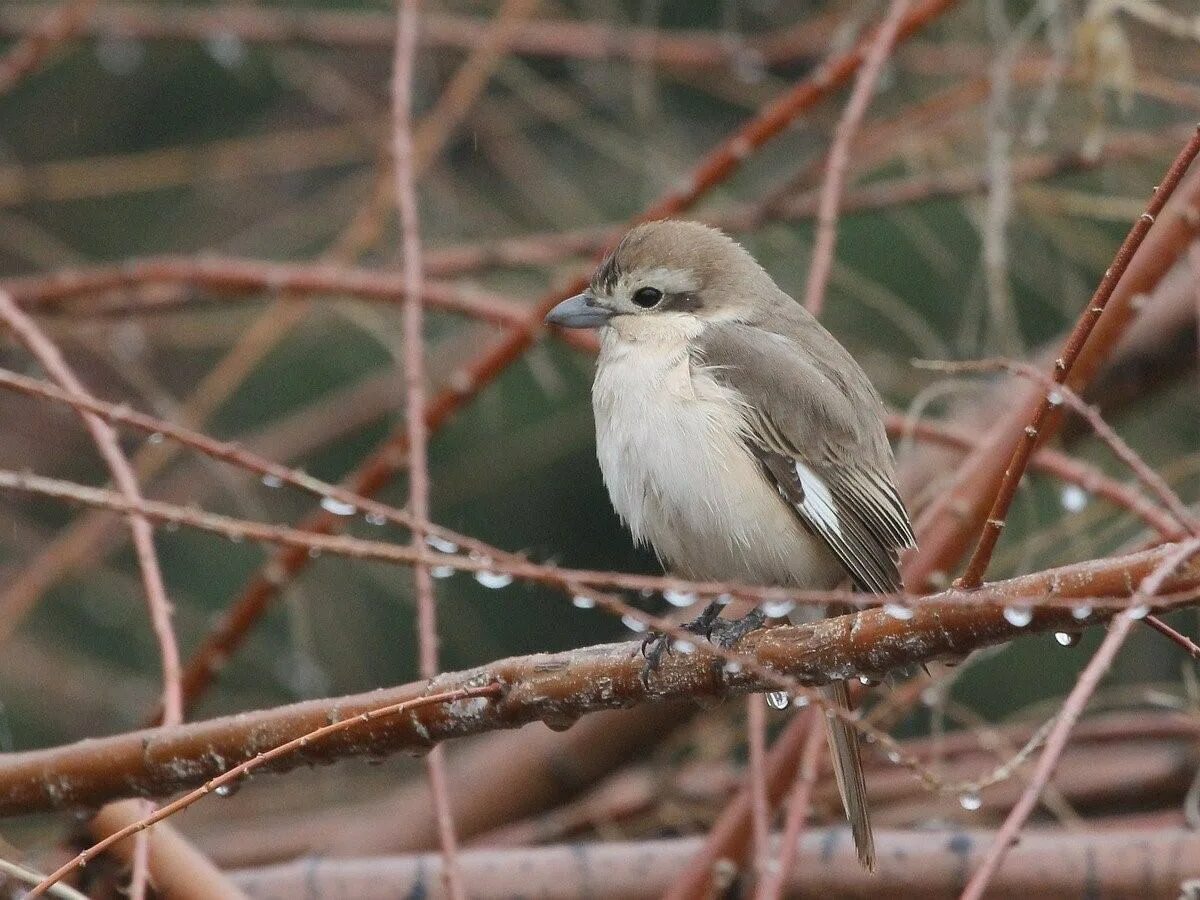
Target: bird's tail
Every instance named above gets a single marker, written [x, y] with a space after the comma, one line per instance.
[847, 766]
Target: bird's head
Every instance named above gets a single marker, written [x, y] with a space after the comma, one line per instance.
[682, 272]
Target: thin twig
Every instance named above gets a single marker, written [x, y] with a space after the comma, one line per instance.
[32, 50]
[407, 25]
[1058, 394]
[839, 155]
[977, 565]
[109, 448]
[1072, 709]
[798, 806]
[756, 779]
[229, 777]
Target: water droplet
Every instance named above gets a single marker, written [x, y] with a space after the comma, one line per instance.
[679, 598]
[777, 609]
[314, 552]
[1066, 638]
[970, 801]
[732, 667]
[272, 481]
[868, 681]
[228, 789]
[1082, 611]
[440, 544]
[724, 599]
[893, 756]
[684, 647]
[236, 537]
[227, 49]
[1018, 616]
[157, 438]
[1139, 612]
[375, 518]
[441, 571]
[1054, 398]
[799, 701]
[337, 507]
[778, 700]
[583, 602]
[1073, 498]
[634, 624]
[493, 580]
[898, 611]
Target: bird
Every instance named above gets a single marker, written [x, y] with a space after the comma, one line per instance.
[739, 439]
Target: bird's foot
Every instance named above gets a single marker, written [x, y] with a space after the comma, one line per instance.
[724, 633]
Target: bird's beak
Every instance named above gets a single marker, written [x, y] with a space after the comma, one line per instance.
[580, 311]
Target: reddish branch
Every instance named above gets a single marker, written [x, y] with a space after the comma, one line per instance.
[35, 47]
[559, 688]
[839, 155]
[240, 276]
[404, 167]
[1122, 862]
[946, 529]
[105, 439]
[1072, 709]
[264, 758]
[542, 37]
[379, 468]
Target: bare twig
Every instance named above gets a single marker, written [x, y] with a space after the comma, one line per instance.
[407, 24]
[224, 780]
[839, 155]
[1072, 709]
[798, 806]
[32, 50]
[977, 565]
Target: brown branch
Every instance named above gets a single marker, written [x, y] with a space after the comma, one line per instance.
[1058, 394]
[177, 869]
[404, 168]
[946, 528]
[1122, 862]
[798, 805]
[675, 48]
[379, 468]
[35, 47]
[1065, 363]
[1072, 709]
[559, 688]
[105, 439]
[235, 277]
[297, 745]
[839, 155]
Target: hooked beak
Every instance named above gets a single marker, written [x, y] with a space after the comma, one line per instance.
[580, 311]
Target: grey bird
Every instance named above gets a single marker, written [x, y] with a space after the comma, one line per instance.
[738, 438]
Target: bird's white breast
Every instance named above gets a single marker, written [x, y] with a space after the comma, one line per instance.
[668, 437]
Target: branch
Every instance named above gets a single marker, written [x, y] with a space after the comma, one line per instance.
[559, 688]
[1123, 862]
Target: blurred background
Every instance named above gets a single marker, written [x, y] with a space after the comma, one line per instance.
[1008, 148]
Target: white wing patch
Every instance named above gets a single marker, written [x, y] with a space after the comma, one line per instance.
[818, 502]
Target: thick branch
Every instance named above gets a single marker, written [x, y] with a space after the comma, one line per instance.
[559, 688]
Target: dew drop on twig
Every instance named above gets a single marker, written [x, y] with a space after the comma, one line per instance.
[970, 801]
[493, 580]
[583, 602]
[272, 481]
[778, 700]
[777, 609]
[338, 507]
[898, 611]
[1018, 616]
[633, 624]
[679, 598]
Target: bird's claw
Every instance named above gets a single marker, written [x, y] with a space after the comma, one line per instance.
[723, 633]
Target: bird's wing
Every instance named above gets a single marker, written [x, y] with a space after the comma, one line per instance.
[813, 422]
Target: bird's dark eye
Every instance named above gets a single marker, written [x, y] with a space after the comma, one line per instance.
[647, 297]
